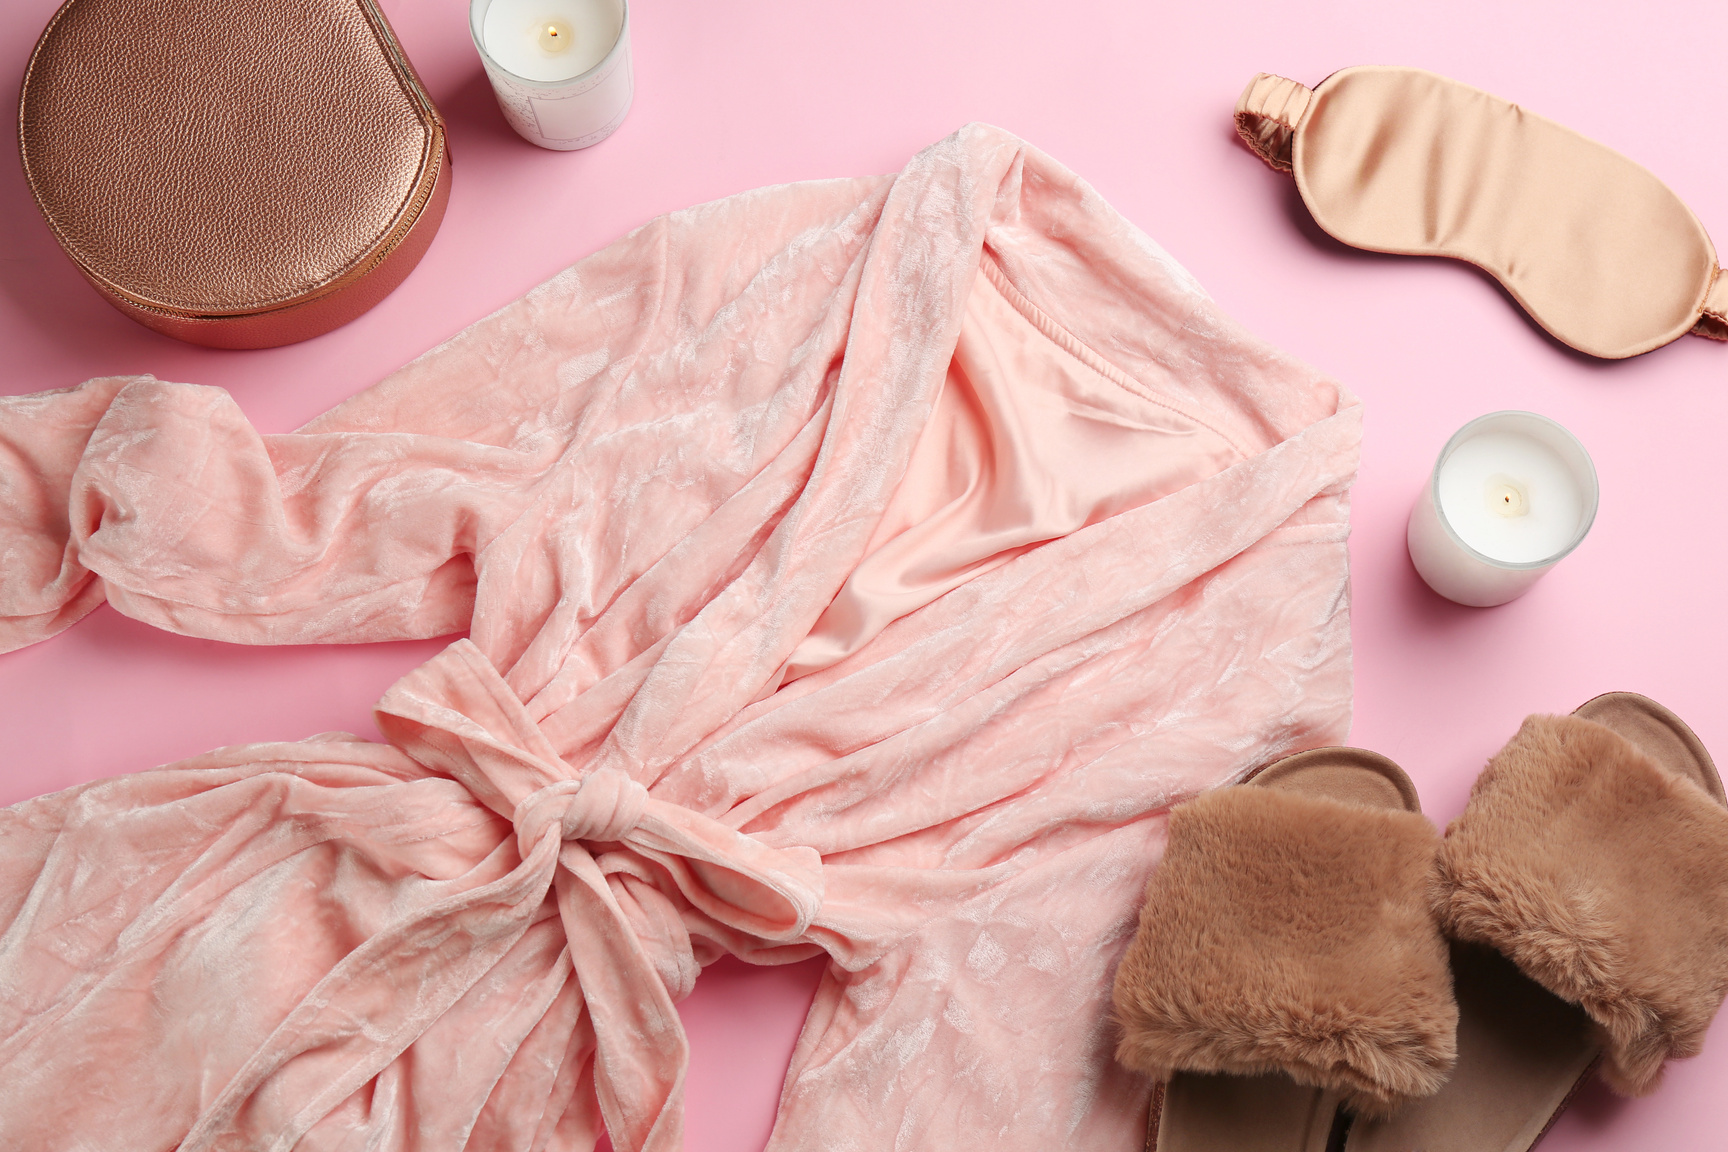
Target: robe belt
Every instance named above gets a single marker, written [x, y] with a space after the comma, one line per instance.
[631, 875]
[603, 805]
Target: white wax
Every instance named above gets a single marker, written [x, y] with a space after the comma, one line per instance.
[551, 39]
[1510, 497]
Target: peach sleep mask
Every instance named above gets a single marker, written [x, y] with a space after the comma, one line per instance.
[1594, 247]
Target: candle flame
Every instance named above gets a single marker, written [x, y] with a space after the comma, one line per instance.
[555, 37]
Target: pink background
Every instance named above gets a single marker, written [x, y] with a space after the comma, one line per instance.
[1136, 97]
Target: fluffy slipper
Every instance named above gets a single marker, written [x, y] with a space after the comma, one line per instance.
[1589, 877]
[1287, 958]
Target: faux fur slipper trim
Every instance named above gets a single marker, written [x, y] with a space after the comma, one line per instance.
[1604, 877]
[1286, 932]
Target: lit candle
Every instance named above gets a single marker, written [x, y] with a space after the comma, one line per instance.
[560, 68]
[551, 39]
[1511, 494]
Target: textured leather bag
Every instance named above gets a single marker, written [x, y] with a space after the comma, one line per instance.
[236, 173]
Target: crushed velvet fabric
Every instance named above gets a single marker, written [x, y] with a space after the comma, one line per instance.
[857, 568]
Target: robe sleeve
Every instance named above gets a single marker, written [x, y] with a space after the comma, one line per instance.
[167, 503]
[162, 499]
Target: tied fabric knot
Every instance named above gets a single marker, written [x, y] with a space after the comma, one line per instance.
[602, 806]
[628, 909]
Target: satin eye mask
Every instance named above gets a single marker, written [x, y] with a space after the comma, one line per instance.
[1593, 246]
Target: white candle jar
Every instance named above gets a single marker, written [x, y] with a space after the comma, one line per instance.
[560, 68]
[1511, 494]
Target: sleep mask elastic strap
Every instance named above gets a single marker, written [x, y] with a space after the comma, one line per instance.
[1267, 115]
[1714, 322]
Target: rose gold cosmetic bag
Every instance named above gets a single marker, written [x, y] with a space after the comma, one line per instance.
[236, 173]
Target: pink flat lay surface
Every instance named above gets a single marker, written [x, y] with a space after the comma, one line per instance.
[1135, 98]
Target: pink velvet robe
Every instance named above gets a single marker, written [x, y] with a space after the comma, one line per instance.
[859, 567]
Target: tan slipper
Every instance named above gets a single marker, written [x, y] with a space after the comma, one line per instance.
[1287, 959]
[1587, 886]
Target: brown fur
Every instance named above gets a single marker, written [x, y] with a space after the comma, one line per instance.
[1285, 932]
[1604, 877]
